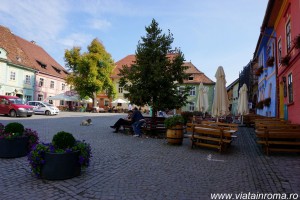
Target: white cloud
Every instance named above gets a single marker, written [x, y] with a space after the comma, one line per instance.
[76, 39]
[99, 24]
[41, 20]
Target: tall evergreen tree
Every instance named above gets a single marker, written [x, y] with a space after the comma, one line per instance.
[90, 71]
[155, 76]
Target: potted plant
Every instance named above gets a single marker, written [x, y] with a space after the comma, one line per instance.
[61, 159]
[285, 60]
[259, 71]
[297, 42]
[260, 105]
[270, 61]
[267, 102]
[174, 126]
[15, 140]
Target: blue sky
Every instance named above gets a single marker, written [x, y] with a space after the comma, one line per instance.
[210, 33]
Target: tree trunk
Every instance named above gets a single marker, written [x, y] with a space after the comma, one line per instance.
[95, 100]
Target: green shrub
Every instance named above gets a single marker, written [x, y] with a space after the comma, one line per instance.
[173, 121]
[63, 140]
[14, 127]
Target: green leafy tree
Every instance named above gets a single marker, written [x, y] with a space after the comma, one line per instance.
[90, 71]
[155, 77]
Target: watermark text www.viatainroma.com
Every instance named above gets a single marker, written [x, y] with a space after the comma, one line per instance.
[249, 195]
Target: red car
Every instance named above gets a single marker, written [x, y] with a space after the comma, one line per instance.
[14, 106]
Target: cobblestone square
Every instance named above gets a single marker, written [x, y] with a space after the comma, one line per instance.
[124, 167]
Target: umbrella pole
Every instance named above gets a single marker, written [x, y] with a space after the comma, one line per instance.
[242, 121]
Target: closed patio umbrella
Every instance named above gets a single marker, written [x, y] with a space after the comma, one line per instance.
[220, 103]
[243, 108]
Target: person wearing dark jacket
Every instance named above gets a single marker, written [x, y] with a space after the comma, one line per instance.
[138, 121]
[122, 121]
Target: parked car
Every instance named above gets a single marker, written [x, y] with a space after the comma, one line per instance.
[44, 108]
[14, 106]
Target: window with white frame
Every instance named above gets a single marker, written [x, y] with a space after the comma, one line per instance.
[41, 82]
[27, 79]
[12, 76]
[120, 90]
[63, 86]
[290, 88]
[288, 36]
[193, 91]
[191, 106]
[279, 51]
[40, 97]
[50, 101]
[52, 84]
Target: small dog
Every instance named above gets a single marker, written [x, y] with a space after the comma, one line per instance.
[86, 122]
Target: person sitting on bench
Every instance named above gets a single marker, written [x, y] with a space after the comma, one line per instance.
[138, 121]
[123, 121]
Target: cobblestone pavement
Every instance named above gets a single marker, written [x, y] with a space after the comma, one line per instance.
[124, 167]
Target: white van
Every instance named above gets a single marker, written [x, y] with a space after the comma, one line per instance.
[45, 108]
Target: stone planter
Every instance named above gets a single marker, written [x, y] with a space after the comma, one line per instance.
[13, 148]
[60, 166]
[175, 135]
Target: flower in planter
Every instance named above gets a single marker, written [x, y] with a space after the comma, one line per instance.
[260, 105]
[259, 71]
[267, 102]
[285, 60]
[297, 42]
[270, 61]
[62, 142]
[16, 130]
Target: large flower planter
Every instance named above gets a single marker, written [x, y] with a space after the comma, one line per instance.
[13, 148]
[60, 166]
[175, 135]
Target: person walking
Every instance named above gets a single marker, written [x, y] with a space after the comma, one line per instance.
[138, 121]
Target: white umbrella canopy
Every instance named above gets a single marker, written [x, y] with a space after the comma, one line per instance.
[220, 105]
[243, 107]
[119, 101]
[203, 98]
[64, 97]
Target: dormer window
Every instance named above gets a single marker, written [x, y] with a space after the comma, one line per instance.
[43, 65]
[56, 69]
[191, 77]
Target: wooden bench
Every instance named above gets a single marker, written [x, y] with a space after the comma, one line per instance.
[154, 125]
[212, 137]
[279, 140]
[229, 126]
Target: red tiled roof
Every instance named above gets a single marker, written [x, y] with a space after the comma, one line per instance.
[128, 60]
[28, 54]
[38, 56]
[15, 54]
[198, 75]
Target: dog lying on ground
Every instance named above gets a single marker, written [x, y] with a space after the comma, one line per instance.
[86, 122]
